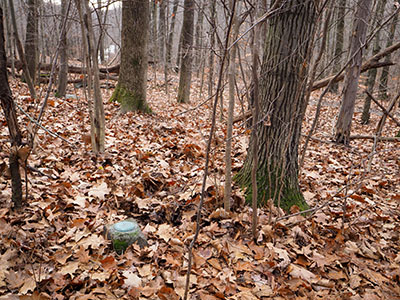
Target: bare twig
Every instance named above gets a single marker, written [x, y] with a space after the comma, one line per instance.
[42, 127]
[383, 108]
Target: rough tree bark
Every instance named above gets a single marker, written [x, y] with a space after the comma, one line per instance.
[358, 38]
[8, 106]
[185, 76]
[132, 83]
[282, 106]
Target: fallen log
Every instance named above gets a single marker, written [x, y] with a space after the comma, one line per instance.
[373, 137]
[71, 69]
[371, 63]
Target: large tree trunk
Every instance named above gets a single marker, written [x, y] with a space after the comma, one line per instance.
[282, 106]
[63, 72]
[343, 124]
[185, 76]
[8, 106]
[372, 73]
[132, 82]
[31, 39]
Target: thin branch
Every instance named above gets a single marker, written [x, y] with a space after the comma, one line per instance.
[210, 138]
[42, 127]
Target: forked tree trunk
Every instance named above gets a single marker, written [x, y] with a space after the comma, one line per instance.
[98, 118]
[282, 106]
[343, 124]
[8, 106]
[132, 81]
[185, 76]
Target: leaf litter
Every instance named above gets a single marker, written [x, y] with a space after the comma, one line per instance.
[54, 247]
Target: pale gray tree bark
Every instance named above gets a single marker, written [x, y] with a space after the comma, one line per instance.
[358, 38]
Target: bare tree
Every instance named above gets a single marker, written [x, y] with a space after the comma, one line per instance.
[132, 81]
[8, 106]
[185, 76]
[372, 73]
[282, 105]
[63, 71]
[31, 39]
[358, 38]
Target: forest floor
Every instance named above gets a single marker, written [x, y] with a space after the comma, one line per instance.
[152, 170]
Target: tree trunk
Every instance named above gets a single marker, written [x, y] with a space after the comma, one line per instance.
[372, 73]
[154, 35]
[185, 76]
[229, 125]
[383, 81]
[161, 30]
[132, 82]
[63, 72]
[199, 36]
[21, 51]
[343, 124]
[102, 21]
[282, 106]
[171, 32]
[338, 54]
[31, 39]
[212, 45]
[8, 106]
[98, 119]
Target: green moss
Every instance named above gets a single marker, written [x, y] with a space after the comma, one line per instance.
[270, 186]
[130, 101]
[120, 246]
